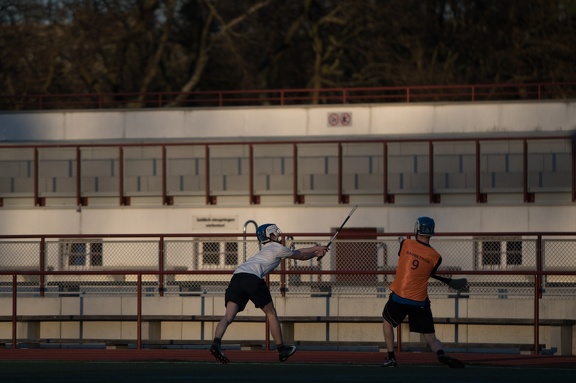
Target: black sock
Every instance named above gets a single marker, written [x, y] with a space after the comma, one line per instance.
[280, 347]
[440, 352]
[391, 355]
[217, 342]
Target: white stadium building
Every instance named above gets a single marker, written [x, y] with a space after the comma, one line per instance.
[96, 200]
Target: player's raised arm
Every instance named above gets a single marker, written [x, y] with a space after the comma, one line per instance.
[306, 253]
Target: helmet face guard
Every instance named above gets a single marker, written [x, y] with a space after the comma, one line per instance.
[265, 232]
[424, 226]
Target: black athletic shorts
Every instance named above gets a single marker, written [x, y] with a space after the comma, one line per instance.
[419, 316]
[245, 287]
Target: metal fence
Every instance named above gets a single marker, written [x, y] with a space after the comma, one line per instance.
[517, 265]
[327, 96]
[535, 268]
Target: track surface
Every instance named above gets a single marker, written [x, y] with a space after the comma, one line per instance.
[143, 366]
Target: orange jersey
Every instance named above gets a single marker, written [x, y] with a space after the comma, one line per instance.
[415, 265]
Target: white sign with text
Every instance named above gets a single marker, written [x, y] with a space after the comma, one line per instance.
[215, 222]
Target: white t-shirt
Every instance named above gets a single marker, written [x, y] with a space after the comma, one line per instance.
[266, 260]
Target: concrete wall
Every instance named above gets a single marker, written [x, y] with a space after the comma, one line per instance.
[291, 219]
[279, 122]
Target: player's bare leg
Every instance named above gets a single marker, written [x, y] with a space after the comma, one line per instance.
[389, 339]
[438, 348]
[274, 323]
[433, 342]
[216, 349]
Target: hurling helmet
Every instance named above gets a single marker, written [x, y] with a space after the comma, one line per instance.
[424, 226]
[263, 233]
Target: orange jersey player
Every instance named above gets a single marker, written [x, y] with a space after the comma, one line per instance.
[417, 262]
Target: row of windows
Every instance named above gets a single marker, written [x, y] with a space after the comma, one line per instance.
[498, 253]
[227, 254]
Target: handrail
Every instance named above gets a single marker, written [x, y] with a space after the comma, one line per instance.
[251, 221]
[140, 318]
[285, 97]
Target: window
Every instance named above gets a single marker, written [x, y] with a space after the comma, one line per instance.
[77, 256]
[231, 253]
[211, 253]
[219, 254]
[514, 252]
[498, 253]
[95, 255]
[491, 253]
[81, 254]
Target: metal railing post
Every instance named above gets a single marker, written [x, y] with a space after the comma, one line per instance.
[14, 310]
[139, 314]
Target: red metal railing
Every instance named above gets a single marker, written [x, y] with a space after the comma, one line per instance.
[281, 97]
[342, 198]
[538, 272]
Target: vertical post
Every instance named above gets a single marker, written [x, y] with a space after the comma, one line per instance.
[37, 200]
[295, 173]
[480, 197]
[388, 198]
[166, 200]
[456, 310]
[298, 199]
[537, 294]
[14, 311]
[123, 200]
[79, 201]
[328, 297]
[528, 197]
[573, 183]
[341, 197]
[42, 267]
[433, 198]
[139, 313]
[210, 200]
[254, 200]
[161, 263]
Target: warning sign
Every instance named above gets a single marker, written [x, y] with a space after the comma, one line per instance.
[339, 119]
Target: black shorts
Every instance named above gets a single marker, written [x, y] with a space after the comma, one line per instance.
[419, 317]
[245, 287]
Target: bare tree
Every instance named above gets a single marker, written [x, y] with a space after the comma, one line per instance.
[214, 29]
[123, 48]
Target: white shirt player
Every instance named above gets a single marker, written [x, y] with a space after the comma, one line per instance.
[266, 260]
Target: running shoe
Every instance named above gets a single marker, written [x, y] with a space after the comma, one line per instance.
[450, 362]
[219, 354]
[389, 363]
[286, 352]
